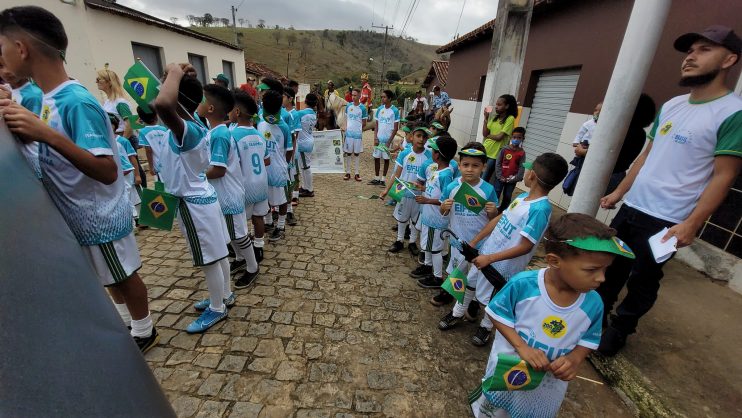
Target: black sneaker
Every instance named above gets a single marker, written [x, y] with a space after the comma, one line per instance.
[146, 343]
[306, 193]
[413, 248]
[277, 234]
[382, 183]
[230, 251]
[246, 280]
[407, 232]
[396, 247]
[442, 298]
[611, 342]
[258, 253]
[374, 182]
[482, 337]
[472, 312]
[394, 228]
[449, 321]
[290, 219]
[421, 271]
[430, 282]
[269, 228]
[236, 265]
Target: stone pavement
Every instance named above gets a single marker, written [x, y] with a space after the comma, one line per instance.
[334, 327]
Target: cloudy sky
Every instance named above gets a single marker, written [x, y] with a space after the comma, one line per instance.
[433, 21]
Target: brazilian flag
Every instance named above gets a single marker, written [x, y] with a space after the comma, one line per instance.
[401, 189]
[158, 208]
[141, 85]
[512, 373]
[467, 196]
[455, 284]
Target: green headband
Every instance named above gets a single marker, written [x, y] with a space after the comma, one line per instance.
[528, 165]
[433, 144]
[263, 86]
[612, 245]
[403, 120]
[406, 129]
[472, 152]
[426, 131]
[437, 125]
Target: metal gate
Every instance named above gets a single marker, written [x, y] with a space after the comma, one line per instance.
[553, 98]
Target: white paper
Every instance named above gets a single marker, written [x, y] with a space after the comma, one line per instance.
[662, 250]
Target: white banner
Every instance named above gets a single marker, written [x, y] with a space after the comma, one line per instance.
[327, 156]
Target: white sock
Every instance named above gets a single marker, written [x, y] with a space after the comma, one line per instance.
[460, 308]
[357, 160]
[142, 328]
[486, 322]
[306, 177]
[259, 242]
[268, 219]
[401, 226]
[123, 312]
[281, 221]
[428, 258]
[413, 233]
[377, 178]
[289, 208]
[215, 285]
[295, 194]
[438, 265]
[227, 277]
[383, 178]
[347, 164]
[244, 248]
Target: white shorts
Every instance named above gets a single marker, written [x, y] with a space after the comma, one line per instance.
[277, 195]
[236, 225]
[132, 189]
[305, 160]
[430, 239]
[485, 290]
[205, 231]
[294, 169]
[353, 145]
[407, 210]
[257, 209]
[457, 260]
[114, 262]
[380, 154]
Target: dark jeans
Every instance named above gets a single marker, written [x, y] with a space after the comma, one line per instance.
[507, 193]
[641, 276]
[489, 171]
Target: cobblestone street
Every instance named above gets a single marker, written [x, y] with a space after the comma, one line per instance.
[334, 326]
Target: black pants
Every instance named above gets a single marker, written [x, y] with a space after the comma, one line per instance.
[640, 276]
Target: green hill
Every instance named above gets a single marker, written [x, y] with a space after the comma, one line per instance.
[320, 55]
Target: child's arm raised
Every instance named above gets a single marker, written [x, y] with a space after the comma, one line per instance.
[533, 356]
[565, 367]
[166, 103]
[524, 247]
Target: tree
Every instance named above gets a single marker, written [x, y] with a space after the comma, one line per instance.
[277, 27]
[341, 36]
[305, 42]
[261, 23]
[393, 76]
[326, 34]
[174, 20]
[225, 21]
[242, 22]
[276, 35]
[198, 21]
[208, 19]
[191, 20]
[291, 27]
[291, 38]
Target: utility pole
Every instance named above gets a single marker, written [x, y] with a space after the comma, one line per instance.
[383, 55]
[234, 25]
[288, 59]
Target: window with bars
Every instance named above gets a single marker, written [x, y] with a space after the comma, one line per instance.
[723, 229]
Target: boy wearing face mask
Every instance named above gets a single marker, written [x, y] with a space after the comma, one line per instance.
[509, 167]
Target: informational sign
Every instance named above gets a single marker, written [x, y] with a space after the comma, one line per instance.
[327, 156]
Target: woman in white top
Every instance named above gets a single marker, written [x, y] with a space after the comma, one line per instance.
[109, 83]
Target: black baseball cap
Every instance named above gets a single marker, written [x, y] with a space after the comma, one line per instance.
[717, 34]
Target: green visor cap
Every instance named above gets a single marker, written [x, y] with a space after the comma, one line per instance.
[437, 125]
[403, 120]
[432, 144]
[471, 152]
[426, 131]
[613, 245]
[528, 165]
[406, 129]
[263, 86]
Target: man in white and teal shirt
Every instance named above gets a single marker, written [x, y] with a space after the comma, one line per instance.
[356, 116]
[387, 123]
[693, 157]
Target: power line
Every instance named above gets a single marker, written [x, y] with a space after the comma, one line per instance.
[456, 32]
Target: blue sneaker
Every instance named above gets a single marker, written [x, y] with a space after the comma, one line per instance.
[207, 320]
[204, 303]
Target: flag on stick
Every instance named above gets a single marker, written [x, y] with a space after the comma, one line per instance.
[467, 196]
[455, 284]
[158, 208]
[401, 189]
[512, 373]
[141, 85]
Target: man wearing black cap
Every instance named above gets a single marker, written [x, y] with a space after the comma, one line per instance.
[693, 158]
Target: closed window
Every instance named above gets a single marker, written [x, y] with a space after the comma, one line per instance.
[150, 55]
[228, 70]
[199, 63]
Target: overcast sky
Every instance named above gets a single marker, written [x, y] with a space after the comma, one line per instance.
[433, 22]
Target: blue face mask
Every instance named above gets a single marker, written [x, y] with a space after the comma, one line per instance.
[516, 142]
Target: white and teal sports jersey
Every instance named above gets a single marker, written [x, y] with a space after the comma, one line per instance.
[524, 305]
[154, 137]
[463, 222]
[125, 151]
[355, 116]
[184, 163]
[252, 150]
[288, 118]
[523, 218]
[435, 182]
[686, 137]
[30, 96]
[119, 107]
[229, 189]
[386, 118]
[96, 213]
[305, 119]
[412, 163]
[278, 140]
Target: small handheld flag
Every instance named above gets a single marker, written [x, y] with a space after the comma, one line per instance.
[134, 122]
[158, 208]
[467, 196]
[512, 373]
[141, 85]
[455, 284]
[383, 148]
[401, 189]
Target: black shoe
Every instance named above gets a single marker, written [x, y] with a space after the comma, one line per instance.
[442, 298]
[414, 250]
[270, 228]
[146, 343]
[421, 271]
[258, 253]
[449, 321]
[611, 342]
[230, 251]
[396, 247]
[290, 219]
[374, 182]
[472, 312]
[382, 183]
[407, 232]
[306, 193]
[482, 337]
[246, 280]
[277, 234]
[394, 228]
[237, 265]
[430, 282]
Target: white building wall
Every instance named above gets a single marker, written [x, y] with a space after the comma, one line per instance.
[464, 120]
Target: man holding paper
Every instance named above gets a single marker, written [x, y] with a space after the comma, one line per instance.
[683, 175]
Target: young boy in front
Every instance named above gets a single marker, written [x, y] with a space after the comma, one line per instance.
[184, 159]
[509, 168]
[408, 166]
[436, 175]
[77, 160]
[510, 240]
[551, 317]
[387, 123]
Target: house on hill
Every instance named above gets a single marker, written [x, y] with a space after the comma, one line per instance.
[259, 71]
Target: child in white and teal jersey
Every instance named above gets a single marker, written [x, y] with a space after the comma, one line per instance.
[356, 115]
[305, 120]
[26, 93]
[387, 123]
[152, 137]
[78, 161]
[290, 115]
[130, 167]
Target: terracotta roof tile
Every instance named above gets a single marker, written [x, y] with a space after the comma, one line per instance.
[438, 69]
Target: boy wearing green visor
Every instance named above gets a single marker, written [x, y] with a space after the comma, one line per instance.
[551, 318]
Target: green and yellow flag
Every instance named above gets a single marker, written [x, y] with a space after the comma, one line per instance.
[455, 284]
[512, 373]
[401, 189]
[141, 85]
[467, 196]
[135, 122]
[158, 208]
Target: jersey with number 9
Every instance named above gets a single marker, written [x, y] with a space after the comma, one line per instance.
[251, 147]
